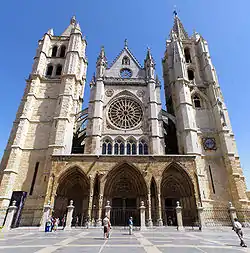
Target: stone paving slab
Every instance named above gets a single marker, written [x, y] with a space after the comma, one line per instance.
[151, 241]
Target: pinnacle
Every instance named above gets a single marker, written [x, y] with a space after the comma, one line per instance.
[178, 28]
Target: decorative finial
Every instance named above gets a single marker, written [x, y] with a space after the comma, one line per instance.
[73, 20]
[125, 43]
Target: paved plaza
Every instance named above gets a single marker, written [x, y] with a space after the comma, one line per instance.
[91, 240]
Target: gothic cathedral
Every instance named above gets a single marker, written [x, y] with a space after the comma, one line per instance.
[124, 148]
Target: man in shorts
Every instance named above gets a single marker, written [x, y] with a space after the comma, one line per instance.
[106, 226]
[237, 227]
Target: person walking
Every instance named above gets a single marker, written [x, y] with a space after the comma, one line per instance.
[64, 221]
[237, 227]
[106, 227]
[77, 221]
[130, 225]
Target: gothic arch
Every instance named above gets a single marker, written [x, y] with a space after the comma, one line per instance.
[200, 94]
[126, 93]
[177, 185]
[125, 187]
[72, 184]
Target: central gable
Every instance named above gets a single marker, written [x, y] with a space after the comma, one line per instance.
[125, 66]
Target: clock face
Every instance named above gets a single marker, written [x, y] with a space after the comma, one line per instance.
[209, 144]
[126, 73]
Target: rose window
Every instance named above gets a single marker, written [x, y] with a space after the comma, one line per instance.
[125, 113]
[126, 73]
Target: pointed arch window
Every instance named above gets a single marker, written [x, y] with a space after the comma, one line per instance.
[125, 60]
[54, 51]
[143, 147]
[131, 147]
[62, 51]
[187, 55]
[119, 147]
[49, 71]
[190, 74]
[107, 147]
[197, 101]
[59, 70]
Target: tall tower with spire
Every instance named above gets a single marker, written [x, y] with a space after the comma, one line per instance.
[46, 116]
[203, 128]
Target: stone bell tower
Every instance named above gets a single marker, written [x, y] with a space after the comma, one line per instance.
[203, 127]
[46, 116]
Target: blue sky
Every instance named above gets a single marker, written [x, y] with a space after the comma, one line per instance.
[224, 24]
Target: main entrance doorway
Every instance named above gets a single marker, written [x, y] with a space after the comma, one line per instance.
[74, 185]
[125, 188]
[122, 209]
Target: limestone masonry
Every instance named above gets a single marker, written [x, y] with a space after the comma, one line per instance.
[124, 148]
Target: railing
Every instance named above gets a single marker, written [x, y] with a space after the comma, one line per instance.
[31, 217]
[217, 216]
[244, 216]
[120, 216]
[190, 217]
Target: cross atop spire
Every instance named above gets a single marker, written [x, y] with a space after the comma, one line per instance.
[175, 11]
[125, 43]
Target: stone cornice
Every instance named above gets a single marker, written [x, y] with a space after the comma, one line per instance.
[126, 158]
[122, 81]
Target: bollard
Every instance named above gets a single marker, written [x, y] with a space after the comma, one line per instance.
[142, 213]
[10, 215]
[46, 211]
[69, 215]
[107, 209]
[179, 217]
[201, 216]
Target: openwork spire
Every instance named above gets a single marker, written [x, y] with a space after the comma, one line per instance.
[178, 28]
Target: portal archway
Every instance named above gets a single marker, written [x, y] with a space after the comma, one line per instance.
[73, 185]
[125, 188]
[176, 186]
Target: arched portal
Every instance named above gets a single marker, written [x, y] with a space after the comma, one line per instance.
[125, 188]
[176, 186]
[73, 185]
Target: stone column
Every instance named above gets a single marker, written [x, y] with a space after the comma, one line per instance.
[107, 209]
[150, 223]
[179, 216]
[99, 221]
[46, 212]
[91, 193]
[201, 216]
[232, 212]
[142, 214]
[69, 215]
[160, 223]
[10, 214]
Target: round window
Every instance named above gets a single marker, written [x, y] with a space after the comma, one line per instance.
[126, 73]
[125, 113]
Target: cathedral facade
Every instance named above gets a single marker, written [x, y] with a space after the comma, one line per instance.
[124, 148]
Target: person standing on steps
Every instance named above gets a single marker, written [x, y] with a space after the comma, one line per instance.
[130, 225]
[237, 227]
